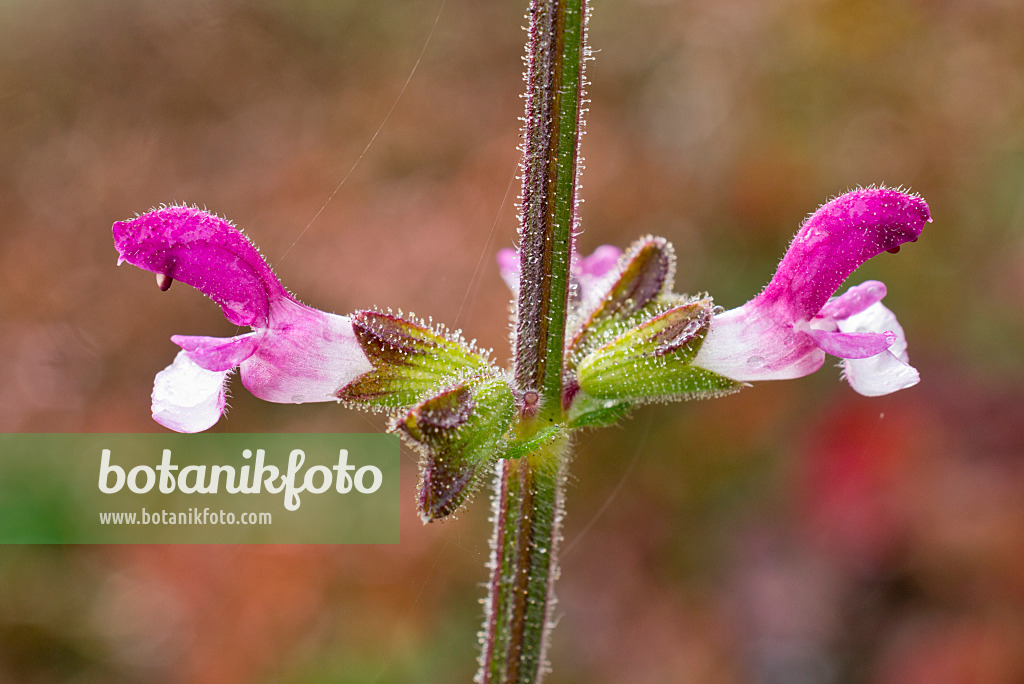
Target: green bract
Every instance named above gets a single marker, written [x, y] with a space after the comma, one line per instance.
[459, 433]
[652, 361]
[645, 275]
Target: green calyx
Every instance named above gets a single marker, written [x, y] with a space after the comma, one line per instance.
[644, 278]
[460, 433]
[410, 361]
[631, 345]
[652, 361]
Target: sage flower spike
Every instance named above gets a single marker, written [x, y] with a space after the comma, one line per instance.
[786, 331]
[294, 354]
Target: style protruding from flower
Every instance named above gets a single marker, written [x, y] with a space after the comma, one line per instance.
[786, 331]
[294, 354]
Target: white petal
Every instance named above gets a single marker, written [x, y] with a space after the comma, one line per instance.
[886, 372]
[187, 397]
[880, 374]
[877, 318]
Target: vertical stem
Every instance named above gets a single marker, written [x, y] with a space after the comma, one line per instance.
[555, 53]
[528, 493]
[527, 520]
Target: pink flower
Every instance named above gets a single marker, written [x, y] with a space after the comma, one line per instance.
[585, 272]
[294, 354]
[786, 331]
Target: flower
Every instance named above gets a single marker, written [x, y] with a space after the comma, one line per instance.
[586, 273]
[785, 331]
[294, 354]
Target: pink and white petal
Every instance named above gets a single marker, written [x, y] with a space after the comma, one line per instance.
[508, 267]
[218, 353]
[748, 344]
[307, 356]
[852, 345]
[187, 397]
[878, 318]
[887, 372]
[854, 300]
[879, 375]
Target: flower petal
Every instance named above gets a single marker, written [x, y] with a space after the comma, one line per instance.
[877, 318]
[592, 275]
[307, 355]
[187, 397]
[599, 263]
[886, 372]
[508, 266]
[748, 344]
[206, 252]
[878, 375]
[218, 353]
[835, 240]
[852, 345]
[854, 300]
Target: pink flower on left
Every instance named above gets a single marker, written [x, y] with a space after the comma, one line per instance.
[294, 354]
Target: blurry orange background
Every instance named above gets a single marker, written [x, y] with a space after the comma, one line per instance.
[795, 532]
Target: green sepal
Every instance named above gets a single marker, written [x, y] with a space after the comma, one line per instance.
[645, 276]
[410, 360]
[532, 444]
[460, 433]
[652, 361]
[590, 412]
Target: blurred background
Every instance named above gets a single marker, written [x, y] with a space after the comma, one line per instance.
[794, 532]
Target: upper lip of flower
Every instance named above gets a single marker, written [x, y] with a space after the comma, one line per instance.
[838, 238]
[206, 252]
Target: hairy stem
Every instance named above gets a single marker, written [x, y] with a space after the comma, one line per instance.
[528, 490]
[527, 516]
[551, 136]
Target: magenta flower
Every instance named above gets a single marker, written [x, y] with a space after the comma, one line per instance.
[294, 354]
[786, 331]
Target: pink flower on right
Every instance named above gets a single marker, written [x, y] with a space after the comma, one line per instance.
[786, 331]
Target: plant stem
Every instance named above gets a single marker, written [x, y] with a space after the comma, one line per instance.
[529, 490]
[528, 507]
[555, 52]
